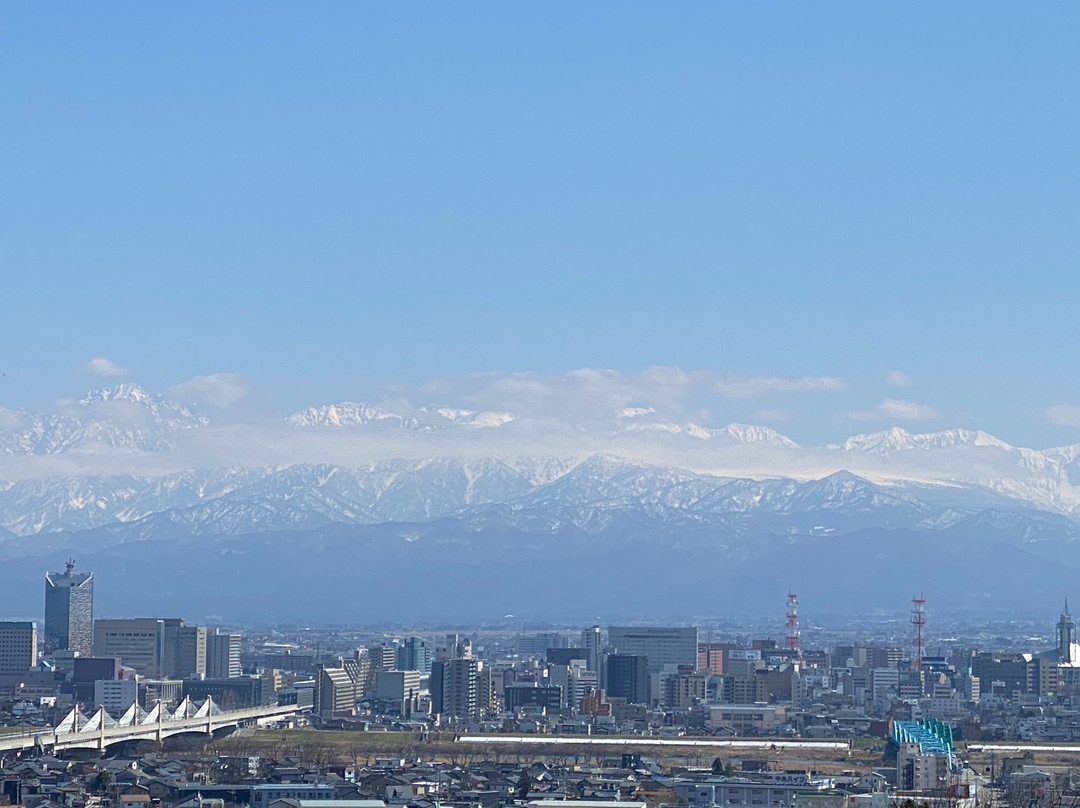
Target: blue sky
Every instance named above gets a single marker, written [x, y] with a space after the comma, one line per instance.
[350, 200]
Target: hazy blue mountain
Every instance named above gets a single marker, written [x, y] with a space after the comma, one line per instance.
[674, 504]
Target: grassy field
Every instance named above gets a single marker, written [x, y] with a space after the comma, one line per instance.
[322, 747]
[15, 730]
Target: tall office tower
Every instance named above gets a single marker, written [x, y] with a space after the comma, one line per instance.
[663, 646]
[170, 647]
[139, 643]
[69, 610]
[590, 641]
[190, 652]
[628, 678]
[183, 654]
[414, 655]
[223, 656]
[18, 648]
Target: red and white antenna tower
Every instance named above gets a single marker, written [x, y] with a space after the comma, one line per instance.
[791, 641]
[918, 620]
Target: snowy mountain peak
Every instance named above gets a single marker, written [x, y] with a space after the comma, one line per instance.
[491, 419]
[748, 433]
[352, 413]
[453, 414]
[483, 419]
[128, 391]
[897, 439]
[732, 433]
[124, 417]
[346, 413]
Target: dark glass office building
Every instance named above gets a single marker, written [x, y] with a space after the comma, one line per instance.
[628, 678]
[69, 610]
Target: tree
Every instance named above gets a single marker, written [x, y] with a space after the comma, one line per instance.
[524, 785]
[718, 766]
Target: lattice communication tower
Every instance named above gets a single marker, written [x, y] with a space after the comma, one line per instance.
[918, 620]
[791, 641]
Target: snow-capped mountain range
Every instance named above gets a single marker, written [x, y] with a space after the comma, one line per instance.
[351, 413]
[741, 479]
[124, 417]
[133, 485]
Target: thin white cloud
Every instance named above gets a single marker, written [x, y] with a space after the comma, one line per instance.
[894, 409]
[755, 386]
[586, 394]
[897, 378]
[101, 366]
[562, 416]
[771, 415]
[593, 397]
[12, 419]
[1062, 415]
[221, 390]
[435, 386]
[636, 412]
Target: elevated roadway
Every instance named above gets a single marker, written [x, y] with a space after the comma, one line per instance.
[77, 731]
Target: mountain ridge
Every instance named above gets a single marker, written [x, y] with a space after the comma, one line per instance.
[452, 462]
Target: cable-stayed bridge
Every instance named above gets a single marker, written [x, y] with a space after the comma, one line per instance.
[101, 730]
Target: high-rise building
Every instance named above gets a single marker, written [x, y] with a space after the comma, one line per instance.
[190, 652]
[140, 644]
[455, 688]
[223, 655]
[662, 645]
[537, 644]
[457, 647]
[383, 657]
[436, 679]
[628, 678]
[153, 646]
[685, 688]
[1066, 632]
[414, 655]
[590, 641]
[361, 671]
[580, 683]
[337, 689]
[18, 648]
[335, 692]
[170, 647]
[69, 610]
[710, 656]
